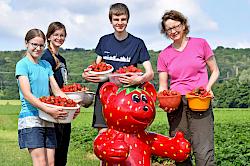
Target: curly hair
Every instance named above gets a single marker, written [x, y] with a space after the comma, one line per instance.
[174, 15]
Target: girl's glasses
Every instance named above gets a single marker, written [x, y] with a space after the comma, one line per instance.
[35, 45]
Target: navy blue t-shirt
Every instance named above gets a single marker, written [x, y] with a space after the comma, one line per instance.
[58, 73]
[129, 51]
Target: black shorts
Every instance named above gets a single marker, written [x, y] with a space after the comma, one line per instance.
[98, 119]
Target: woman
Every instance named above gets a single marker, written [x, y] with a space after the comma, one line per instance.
[34, 76]
[184, 62]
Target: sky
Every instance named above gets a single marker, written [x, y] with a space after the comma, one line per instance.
[221, 22]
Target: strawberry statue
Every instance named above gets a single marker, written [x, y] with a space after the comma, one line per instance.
[128, 112]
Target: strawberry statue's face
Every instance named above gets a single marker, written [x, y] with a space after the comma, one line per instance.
[129, 109]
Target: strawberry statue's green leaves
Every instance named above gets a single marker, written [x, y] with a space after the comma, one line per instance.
[129, 89]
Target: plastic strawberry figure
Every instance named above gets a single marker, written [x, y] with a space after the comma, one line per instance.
[128, 112]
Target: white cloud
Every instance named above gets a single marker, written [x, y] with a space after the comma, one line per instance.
[243, 44]
[86, 21]
[145, 21]
[4, 7]
[235, 43]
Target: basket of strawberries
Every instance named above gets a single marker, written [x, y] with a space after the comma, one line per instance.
[124, 71]
[199, 99]
[169, 99]
[80, 94]
[68, 105]
[101, 69]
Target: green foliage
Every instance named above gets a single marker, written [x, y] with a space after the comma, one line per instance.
[231, 91]
[83, 138]
[232, 132]
[233, 144]
[232, 94]
[244, 76]
[232, 61]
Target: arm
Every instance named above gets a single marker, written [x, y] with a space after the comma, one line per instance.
[163, 81]
[55, 88]
[25, 88]
[212, 65]
[110, 146]
[176, 148]
[98, 59]
[149, 73]
[163, 85]
[134, 79]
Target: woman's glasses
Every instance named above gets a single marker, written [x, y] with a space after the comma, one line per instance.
[35, 45]
[176, 28]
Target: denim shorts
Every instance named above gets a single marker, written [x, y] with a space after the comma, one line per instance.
[37, 137]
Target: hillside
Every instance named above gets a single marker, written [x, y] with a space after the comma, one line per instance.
[233, 82]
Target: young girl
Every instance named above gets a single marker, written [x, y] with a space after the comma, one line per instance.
[34, 76]
[56, 35]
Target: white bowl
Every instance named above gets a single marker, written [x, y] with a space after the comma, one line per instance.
[114, 77]
[70, 110]
[84, 98]
[103, 72]
[76, 96]
[103, 75]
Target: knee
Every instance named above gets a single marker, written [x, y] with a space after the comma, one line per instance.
[204, 156]
[40, 162]
[51, 163]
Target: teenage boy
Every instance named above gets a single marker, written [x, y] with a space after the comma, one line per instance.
[119, 49]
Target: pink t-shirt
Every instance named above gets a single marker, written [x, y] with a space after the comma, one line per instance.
[187, 69]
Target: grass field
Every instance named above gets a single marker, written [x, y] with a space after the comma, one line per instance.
[232, 133]
[10, 153]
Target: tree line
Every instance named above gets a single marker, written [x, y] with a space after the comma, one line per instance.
[231, 90]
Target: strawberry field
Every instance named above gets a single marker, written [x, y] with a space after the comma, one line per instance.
[232, 133]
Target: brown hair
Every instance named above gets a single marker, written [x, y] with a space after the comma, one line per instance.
[54, 26]
[118, 9]
[174, 15]
[34, 33]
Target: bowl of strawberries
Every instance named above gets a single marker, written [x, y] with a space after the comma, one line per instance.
[199, 99]
[80, 94]
[101, 69]
[124, 71]
[67, 105]
[169, 99]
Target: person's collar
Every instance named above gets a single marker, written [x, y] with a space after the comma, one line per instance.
[121, 36]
